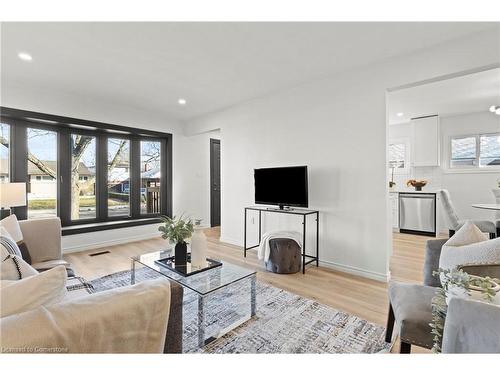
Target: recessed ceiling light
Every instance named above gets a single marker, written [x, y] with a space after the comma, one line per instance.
[493, 108]
[24, 56]
[182, 101]
[400, 114]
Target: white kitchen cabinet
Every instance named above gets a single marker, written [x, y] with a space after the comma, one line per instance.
[394, 199]
[426, 142]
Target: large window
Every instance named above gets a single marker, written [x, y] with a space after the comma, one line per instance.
[83, 177]
[42, 173]
[118, 177]
[4, 152]
[86, 173]
[475, 151]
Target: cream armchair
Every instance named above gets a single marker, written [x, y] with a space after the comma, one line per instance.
[43, 239]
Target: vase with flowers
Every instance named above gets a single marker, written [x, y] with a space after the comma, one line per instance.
[177, 231]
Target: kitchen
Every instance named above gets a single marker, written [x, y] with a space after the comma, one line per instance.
[443, 135]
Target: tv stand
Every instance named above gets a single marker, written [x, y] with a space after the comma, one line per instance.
[281, 208]
[290, 211]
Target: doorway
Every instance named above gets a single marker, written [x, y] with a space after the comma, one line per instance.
[214, 182]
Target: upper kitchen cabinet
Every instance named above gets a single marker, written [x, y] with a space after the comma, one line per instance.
[426, 141]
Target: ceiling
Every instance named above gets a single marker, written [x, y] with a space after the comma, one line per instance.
[213, 66]
[466, 94]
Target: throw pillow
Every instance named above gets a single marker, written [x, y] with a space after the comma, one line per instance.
[469, 246]
[43, 289]
[8, 244]
[12, 266]
[11, 225]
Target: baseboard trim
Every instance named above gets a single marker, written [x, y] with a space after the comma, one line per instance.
[332, 265]
[101, 244]
[230, 241]
[378, 276]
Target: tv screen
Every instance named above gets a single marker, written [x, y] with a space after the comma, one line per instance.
[285, 186]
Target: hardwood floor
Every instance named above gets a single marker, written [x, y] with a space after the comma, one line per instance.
[356, 295]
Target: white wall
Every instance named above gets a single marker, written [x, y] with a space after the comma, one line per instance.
[469, 188]
[190, 190]
[465, 187]
[337, 126]
[193, 181]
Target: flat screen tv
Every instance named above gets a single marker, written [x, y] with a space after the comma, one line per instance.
[284, 186]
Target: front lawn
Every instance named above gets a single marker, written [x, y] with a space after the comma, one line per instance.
[50, 204]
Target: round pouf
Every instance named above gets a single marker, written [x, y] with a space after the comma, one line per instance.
[284, 256]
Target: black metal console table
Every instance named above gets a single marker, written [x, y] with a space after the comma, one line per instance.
[294, 211]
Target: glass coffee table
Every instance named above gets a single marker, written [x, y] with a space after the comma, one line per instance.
[203, 284]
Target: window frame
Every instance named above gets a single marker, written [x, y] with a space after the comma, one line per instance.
[104, 198]
[9, 149]
[67, 187]
[20, 120]
[163, 171]
[476, 167]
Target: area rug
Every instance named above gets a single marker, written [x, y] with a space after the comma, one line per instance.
[284, 323]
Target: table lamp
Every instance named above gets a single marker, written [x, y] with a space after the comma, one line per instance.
[12, 194]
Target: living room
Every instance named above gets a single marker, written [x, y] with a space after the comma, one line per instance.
[223, 187]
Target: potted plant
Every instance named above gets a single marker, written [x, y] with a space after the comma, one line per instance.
[177, 231]
[459, 284]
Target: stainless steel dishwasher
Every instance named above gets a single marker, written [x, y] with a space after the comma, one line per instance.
[417, 213]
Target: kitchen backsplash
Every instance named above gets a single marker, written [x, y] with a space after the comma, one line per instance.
[433, 175]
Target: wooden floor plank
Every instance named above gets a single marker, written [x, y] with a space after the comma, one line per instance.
[353, 294]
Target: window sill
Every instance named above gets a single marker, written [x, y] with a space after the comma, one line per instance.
[94, 227]
[470, 170]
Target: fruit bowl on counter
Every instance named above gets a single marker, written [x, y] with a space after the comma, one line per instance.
[417, 184]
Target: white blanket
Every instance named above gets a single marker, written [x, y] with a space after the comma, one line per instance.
[264, 249]
[130, 319]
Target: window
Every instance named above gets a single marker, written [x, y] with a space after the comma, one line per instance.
[4, 152]
[42, 163]
[85, 172]
[463, 152]
[397, 155]
[150, 177]
[475, 151]
[83, 166]
[489, 150]
[118, 177]
[398, 160]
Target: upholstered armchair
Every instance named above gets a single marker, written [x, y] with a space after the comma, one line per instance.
[43, 240]
[455, 223]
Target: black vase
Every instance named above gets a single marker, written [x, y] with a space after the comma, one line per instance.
[180, 254]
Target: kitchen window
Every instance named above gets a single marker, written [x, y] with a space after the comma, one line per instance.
[398, 160]
[475, 151]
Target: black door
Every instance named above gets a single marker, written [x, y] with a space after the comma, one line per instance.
[214, 182]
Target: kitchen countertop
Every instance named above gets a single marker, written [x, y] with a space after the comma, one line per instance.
[423, 191]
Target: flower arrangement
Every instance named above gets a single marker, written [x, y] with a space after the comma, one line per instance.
[176, 230]
[417, 184]
[456, 283]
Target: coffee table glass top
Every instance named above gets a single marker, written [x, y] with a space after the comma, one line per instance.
[202, 283]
